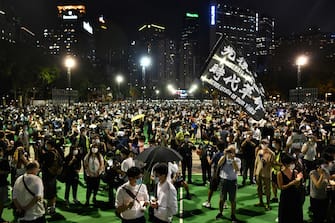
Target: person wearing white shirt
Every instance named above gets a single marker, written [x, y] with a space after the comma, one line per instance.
[229, 166]
[165, 204]
[132, 198]
[34, 211]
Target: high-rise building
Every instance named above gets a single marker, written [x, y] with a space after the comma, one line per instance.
[162, 51]
[73, 35]
[265, 42]
[238, 26]
[248, 31]
[189, 65]
[11, 29]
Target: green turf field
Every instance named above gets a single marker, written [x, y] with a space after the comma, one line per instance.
[192, 210]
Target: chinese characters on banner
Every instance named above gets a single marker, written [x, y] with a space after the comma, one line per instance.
[229, 73]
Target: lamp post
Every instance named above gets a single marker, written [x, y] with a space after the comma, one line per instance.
[300, 61]
[69, 63]
[328, 94]
[119, 80]
[144, 62]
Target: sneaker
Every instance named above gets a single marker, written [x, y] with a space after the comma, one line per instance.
[274, 200]
[51, 211]
[268, 208]
[75, 201]
[233, 218]
[67, 203]
[218, 216]
[259, 205]
[206, 204]
[188, 197]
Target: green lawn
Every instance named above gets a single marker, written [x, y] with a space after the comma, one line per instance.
[192, 211]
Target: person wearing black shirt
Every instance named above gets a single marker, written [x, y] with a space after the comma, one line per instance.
[4, 171]
[248, 148]
[185, 151]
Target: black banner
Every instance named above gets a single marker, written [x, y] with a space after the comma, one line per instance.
[228, 71]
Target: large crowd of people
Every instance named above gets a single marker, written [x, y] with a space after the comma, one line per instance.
[292, 149]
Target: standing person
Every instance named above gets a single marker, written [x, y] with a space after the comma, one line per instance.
[127, 162]
[289, 182]
[165, 204]
[276, 146]
[229, 166]
[262, 171]
[248, 148]
[214, 183]
[309, 151]
[185, 151]
[132, 198]
[51, 167]
[31, 202]
[93, 165]
[206, 151]
[4, 171]
[72, 167]
[318, 191]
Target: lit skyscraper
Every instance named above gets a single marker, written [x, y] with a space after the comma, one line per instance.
[162, 51]
[73, 35]
[251, 33]
[189, 50]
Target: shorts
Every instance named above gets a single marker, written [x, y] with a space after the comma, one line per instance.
[50, 189]
[4, 195]
[274, 178]
[228, 187]
[214, 184]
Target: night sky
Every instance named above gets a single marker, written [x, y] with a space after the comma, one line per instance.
[291, 15]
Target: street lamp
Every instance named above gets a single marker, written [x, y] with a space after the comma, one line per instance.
[69, 63]
[144, 62]
[119, 80]
[300, 61]
[328, 94]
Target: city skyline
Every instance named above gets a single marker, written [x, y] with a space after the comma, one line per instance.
[291, 16]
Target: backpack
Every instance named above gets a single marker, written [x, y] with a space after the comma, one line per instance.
[57, 166]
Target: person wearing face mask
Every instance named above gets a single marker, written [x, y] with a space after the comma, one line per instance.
[93, 165]
[318, 191]
[228, 166]
[309, 151]
[263, 172]
[72, 167]
[289, 182]
[185, 151]
[101, 145]
[132, 198]
[52, 166]
[4, 171]
[165, 201]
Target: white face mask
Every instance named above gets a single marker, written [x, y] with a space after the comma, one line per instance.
[75, 152]
[94, 150]
[292, 166]
[97, 141]
[156, 180]
[229, 161]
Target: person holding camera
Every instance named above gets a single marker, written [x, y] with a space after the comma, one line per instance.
[28, 195]
[72, 166]
[229, 165]
[263, 172]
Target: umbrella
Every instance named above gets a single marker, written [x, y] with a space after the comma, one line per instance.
[136, 117]
[158, 154]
